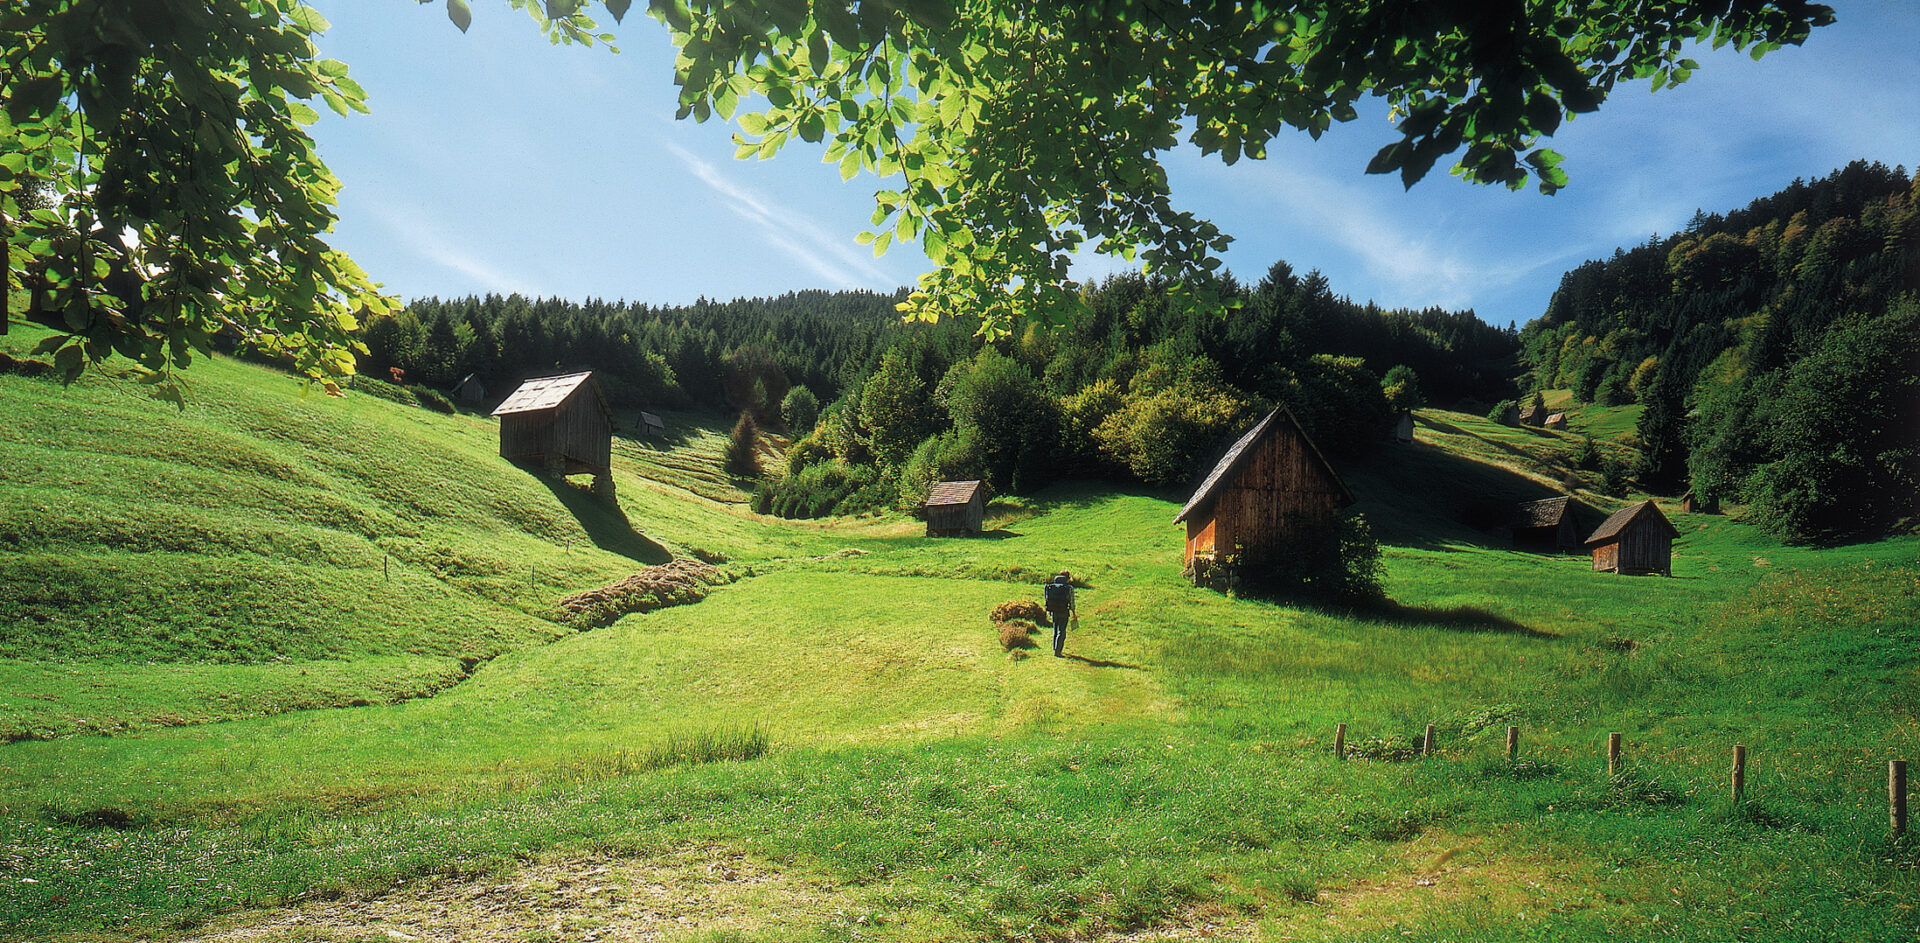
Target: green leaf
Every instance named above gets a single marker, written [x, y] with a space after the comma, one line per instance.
[618, 8]
[753, 123]
[460, 14]
[880, 244]
[850, 165]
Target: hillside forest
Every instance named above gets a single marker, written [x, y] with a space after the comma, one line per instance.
[1775, 351]
[1772, 352]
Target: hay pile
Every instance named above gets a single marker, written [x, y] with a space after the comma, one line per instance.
[656, 587]
[1016, 621]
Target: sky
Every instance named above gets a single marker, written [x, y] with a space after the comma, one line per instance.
[494, 162]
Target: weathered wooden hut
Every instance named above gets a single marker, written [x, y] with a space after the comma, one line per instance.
[469, 390]
[1692, 504]
[1271, 488]
[1557, 421]
[1548, 525]
[1636, 539]
[1508, 416]
[562, 424]
[956, 507]
[652, 425]
[1533, 415]
[1403, 428]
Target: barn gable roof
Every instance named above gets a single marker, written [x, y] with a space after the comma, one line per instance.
[543, 393]
[946, 493]
[1617, 524]
[1223, 472]
[1546, 512]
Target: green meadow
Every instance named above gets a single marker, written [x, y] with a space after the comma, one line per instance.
[275, 650]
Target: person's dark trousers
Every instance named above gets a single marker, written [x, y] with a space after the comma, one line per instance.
[1059, 629]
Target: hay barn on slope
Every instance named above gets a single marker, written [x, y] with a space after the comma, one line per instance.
[1403, 428]
[1547, 526]
[1636, 539]
[561, 424]
[956, 507]
[1271, 488]
[1533, 415]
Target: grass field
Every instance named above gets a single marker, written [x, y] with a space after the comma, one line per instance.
[281, 661]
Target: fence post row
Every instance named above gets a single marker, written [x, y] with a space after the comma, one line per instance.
[1896, 769]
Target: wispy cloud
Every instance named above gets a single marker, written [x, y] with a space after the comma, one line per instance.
[825, 254]
[1416, 261]
[414, 231]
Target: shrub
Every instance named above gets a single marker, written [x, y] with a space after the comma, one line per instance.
[1338, 562]
[799, 410]
[381, 389]
[1019, 609]
[1506, 412]
[821, 490]
[431, 399]
[742, 452]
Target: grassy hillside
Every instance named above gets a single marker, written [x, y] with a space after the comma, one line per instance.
[219, 628]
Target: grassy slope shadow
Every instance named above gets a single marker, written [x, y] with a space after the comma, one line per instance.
[604, 521]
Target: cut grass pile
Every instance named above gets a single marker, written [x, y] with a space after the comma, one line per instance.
[845, 718]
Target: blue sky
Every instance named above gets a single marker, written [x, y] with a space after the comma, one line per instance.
[493, 162]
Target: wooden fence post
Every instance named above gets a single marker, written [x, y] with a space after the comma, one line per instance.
[1513, 741]
[1426, 743]
[1897, 796]
[1340, 742]
[1739, 773]
[1613, 754]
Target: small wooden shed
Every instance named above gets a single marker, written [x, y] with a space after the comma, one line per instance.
[1533, 415]
[1690, 504]
[1272, 487]
[562, 424]
[956, 507]
[1403, 428]
[1548, 525]
[469, 390]
[1636, 539]
[1557, 421]
[652, 425]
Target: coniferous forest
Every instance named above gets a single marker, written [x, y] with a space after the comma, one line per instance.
[877, 409]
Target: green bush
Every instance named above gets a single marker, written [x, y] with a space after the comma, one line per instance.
[381, 389]
[431, 399]
[823, 490]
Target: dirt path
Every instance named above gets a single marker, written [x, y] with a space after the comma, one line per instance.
[696, 893]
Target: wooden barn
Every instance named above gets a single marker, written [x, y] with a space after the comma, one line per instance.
[1636, 539]
[561, 424]
[1271, 487]
[1403, 428]
[1557, 421]
[652, 425]
[1533, 415]
[956, 507]
[1548, 525]
[469, 390]
[1690, 504]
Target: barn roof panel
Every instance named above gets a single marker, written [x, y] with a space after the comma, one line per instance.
[541, 393]
[952, 492]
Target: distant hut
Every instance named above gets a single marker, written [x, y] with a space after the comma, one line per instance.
[1547, 526]
[1270, 491]
[1403, 428]
[1509, 416]
[1636, 539]
[1557, 421]
[956, 507]
[1690, 504]
[470, 390]
[1533, 415]
[652, 425]
[562, 424]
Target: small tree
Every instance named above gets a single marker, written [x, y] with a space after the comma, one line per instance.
[799, 410]
[742, 453]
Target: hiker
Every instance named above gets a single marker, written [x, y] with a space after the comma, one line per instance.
[1059, 599]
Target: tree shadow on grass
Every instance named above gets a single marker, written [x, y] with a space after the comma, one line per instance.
[605, 522]
[1458, 618]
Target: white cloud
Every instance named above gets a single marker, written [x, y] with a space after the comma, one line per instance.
[418, 234]
[1417, 262]
[824, 254]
